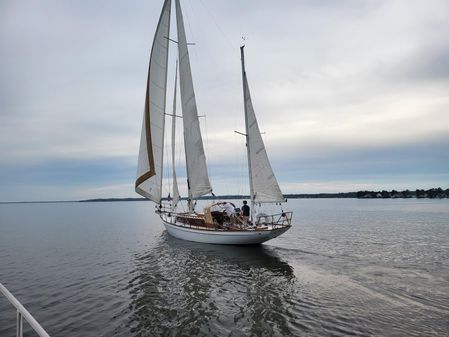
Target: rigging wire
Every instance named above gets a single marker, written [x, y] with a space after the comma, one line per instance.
[214, 20]
[178, 159]
[243, 166]
[186, 12]
[241, 155]
[207, 146]
[239, 169]
[167, 168]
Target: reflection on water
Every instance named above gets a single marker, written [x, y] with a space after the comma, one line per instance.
[187, 288]
[347, 267]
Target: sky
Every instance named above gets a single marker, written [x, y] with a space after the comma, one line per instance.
[351, 94]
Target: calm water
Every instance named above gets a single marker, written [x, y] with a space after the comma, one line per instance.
[348, 267]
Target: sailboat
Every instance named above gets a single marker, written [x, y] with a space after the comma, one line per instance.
[218, 223]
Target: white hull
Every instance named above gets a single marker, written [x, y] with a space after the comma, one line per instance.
[248, 237]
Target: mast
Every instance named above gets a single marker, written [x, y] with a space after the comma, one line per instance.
[197, 177]
[248, 150]
[173, 139]
[263, 184]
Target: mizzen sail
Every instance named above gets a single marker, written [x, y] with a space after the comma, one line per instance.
[198, 179]
[263, 184]
[149, 167]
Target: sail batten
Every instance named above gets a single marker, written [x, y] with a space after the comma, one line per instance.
[197, 175]
[149, 167]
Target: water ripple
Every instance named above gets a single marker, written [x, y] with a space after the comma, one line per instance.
[237, 290]
[345, 270]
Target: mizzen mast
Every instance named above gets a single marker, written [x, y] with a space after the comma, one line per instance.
[263, 184]
[248, 149]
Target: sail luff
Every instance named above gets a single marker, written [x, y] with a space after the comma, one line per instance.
[197, 175]
[173, 140]
[149, 168]
[263, 184]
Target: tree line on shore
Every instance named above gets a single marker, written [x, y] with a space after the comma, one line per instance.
[432, 193]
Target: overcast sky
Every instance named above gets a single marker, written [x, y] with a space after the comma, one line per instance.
[352, 94]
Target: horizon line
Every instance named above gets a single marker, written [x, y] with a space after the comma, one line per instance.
[352, 194]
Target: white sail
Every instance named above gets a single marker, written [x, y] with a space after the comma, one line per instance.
[173, 140]
[149, 167]
[198, 179]
[263, 184]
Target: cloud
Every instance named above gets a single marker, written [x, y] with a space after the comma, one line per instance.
[347, 92]
[427, 64]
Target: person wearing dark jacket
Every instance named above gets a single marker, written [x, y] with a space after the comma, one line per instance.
[245, 212]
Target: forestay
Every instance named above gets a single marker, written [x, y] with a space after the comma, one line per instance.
[149, 167]
[198, 179]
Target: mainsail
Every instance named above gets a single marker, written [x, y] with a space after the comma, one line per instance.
[198, 179]
[149, 167]
[173, 141]
[263, 184]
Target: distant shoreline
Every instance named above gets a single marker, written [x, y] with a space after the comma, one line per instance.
[223, 197]
[433, 193]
